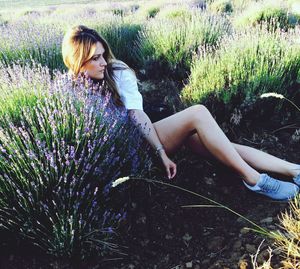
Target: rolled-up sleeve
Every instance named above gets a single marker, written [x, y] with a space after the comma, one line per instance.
[128, 89]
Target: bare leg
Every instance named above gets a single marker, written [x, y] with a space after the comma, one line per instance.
[174, 130]
[266, 162]
[257, 159]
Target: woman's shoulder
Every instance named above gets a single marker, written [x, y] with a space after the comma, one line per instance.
[122, 71]
[117, 64]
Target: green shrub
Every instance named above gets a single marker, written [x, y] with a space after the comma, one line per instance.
[148, 11]
[119, 9]
[276, 15]
[118, 12]
[245, 66]
[221, 6]
[175, 12]
[151, 12]
[166, 46]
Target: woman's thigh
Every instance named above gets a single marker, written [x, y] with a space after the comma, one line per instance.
[195, 144]
[174, 130]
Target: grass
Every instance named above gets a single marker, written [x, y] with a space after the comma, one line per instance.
[288, 240]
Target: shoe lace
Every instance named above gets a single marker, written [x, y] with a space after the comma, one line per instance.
[270, 185]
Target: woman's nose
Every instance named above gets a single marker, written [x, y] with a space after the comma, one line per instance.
[103, 62]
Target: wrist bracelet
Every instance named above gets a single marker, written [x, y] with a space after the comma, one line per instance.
[158, 149]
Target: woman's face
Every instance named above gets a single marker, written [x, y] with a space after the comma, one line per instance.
[95, 67]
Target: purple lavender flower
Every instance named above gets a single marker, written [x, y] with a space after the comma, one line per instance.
[109, 230]
[58, 172]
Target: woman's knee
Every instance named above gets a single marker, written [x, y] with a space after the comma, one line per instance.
[199, 108]
[200, 112]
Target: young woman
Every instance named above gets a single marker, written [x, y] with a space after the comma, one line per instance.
[85, 51]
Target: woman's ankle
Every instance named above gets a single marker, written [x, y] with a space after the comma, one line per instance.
[294, 170]
[252, 179]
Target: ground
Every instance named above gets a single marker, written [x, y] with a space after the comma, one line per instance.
[160, 233]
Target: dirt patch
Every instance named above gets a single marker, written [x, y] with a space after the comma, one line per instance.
[162, 234]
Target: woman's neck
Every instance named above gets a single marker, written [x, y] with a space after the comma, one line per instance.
[99, 82]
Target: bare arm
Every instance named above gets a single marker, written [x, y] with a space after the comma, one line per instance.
[148, 130]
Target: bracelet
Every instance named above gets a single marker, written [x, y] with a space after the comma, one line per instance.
[158, 149]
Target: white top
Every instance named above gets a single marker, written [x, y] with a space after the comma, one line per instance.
[128, 89]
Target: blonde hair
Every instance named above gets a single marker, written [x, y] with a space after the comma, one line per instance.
[78, 47]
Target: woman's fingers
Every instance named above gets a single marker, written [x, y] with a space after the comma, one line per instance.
[170, 168]
[169, 172]
[174, 170]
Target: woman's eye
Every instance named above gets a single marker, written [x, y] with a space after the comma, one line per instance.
[96, 58]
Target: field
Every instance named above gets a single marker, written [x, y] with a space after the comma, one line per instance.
[61, 149]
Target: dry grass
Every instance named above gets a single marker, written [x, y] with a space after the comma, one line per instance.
[266, 264]
[287, 240]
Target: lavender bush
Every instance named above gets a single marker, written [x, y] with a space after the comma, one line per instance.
[246, 65]
[57, 164]
[23, 41]
[21, 87]
[176, 11]
[274, 14]
[120, 31]
[169, 45]
[121, 36]
[221, 6]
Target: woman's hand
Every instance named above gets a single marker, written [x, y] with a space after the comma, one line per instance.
[141, 119]
[169, 165]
